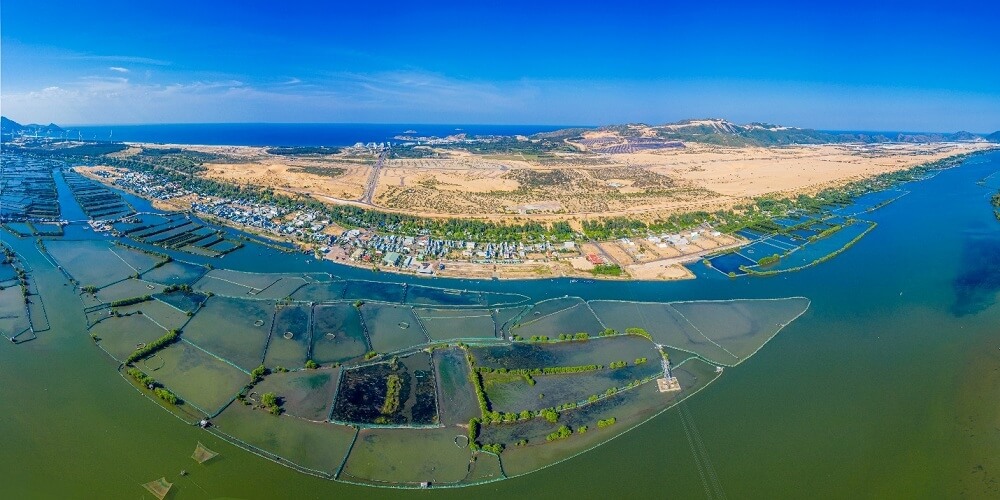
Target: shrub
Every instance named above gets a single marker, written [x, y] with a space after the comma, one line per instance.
[131, 301]
[562, 433]
[271, 402]
[549, 414]
[496, 448]
[153, 346]
[165, 395]
[768, 260]
[257, 374]
[473, 432]
[141, 377]
[640, 332]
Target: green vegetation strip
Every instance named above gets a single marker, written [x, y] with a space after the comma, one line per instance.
[131, 301]
[393, 386]
[167, 339]
[151, 383]
[995, 201]
[820, 260]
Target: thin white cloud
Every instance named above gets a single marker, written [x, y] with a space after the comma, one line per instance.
[421, 97]
[118, 69]
[120, 59]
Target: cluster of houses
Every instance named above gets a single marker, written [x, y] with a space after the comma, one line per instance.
[302, 224]
[418, 253]
[422, 254]
[245, 213]
[309, 225]
[146, 185]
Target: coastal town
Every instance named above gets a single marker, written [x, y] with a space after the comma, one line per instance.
[423, 254]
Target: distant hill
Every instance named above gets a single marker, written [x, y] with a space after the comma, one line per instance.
[725, 133]
[10, 127]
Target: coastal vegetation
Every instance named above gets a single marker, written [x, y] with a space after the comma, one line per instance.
[177, 288]
[607, 270]
[473, 433]
[552, 370]
[562, 433]
[270, 402]
[495, 448]
[130, 301]
[995, 201]
[257, 374]
[827, 232]
[150, 348]
[393, 386]
[641, 332]
[165, 394]
[141, 377]
[151, 383]
[768, 260]
[303, 150]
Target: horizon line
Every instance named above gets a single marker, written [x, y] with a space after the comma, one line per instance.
[559, 126]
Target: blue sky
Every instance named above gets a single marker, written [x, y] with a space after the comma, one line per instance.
[841, 65]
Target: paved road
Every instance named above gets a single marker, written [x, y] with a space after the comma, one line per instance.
[372, 183]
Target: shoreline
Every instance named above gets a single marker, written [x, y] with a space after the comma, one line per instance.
[557, 269]
[665, 268]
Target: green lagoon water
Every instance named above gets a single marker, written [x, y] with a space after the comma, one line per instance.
[888, 386]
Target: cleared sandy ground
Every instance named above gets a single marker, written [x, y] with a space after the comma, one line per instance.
[659, 270]
[747, 172]
[647, 184]
[336, 179]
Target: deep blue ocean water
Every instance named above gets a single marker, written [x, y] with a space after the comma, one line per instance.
[287, 134]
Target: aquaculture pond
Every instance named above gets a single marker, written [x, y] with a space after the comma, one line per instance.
[856, 334]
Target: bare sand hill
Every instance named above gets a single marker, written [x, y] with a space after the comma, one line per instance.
[648, 183]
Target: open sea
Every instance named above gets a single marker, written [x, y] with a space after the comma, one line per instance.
[287, 134]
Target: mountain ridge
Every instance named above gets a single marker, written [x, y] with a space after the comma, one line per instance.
[723, 132]
[10, 127]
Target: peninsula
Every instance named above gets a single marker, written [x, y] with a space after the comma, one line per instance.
[616, 202]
